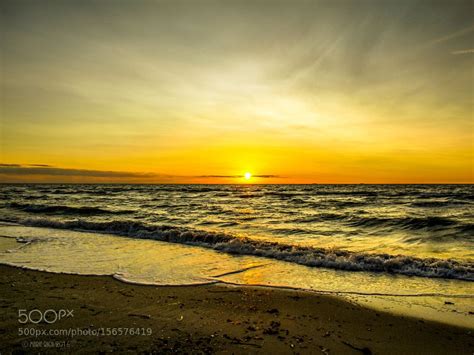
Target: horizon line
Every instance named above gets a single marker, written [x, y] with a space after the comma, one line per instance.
[242, 183]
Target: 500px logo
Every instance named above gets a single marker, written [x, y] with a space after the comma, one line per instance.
[49, 316]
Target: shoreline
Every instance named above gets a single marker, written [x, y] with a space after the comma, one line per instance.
[217, 318]
[329, 293]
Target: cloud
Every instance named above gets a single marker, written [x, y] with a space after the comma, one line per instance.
[450, 36]
[44, 169]
[32, 170]
[463, 51]
[19, 165]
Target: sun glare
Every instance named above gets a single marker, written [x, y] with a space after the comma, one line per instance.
[247, 176]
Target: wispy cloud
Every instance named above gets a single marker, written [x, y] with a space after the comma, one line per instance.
[464, 51]
[450, 36]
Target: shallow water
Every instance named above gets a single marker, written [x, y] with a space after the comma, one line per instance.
[146, 261]
[412, 244]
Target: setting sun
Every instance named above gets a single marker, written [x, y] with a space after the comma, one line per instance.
[247, 176]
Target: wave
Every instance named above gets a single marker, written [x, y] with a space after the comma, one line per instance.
[66, 192]
[346, 204]
[437, 204]
[320, 217]
[430, 223]
[346, 193]
[467, 228]
[282, 194]
[309, 256]
[448, 195]
[407, 223]
[36, 208]
[249, 195]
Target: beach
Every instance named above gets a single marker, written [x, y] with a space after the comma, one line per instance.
[207, 319]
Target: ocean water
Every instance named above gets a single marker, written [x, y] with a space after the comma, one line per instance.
[409, 247]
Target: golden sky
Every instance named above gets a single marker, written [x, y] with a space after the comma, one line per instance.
[204, 91]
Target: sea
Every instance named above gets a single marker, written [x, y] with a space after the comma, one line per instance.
[406, 249]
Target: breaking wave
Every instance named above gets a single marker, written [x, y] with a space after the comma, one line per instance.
[428, 223]
[55, 209]
[309, 256]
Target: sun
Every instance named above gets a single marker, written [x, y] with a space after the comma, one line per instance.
[247, 176]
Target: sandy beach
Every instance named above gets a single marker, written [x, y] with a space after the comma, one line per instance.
[115, 316]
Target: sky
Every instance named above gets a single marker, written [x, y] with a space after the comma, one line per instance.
[204, 91]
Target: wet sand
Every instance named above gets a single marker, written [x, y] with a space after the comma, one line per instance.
[205, 319]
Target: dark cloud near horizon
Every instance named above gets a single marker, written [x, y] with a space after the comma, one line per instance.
[44, 169]
[19, 165]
